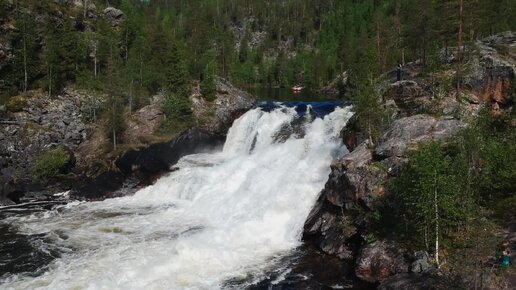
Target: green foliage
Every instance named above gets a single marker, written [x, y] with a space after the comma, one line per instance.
[473, 247]
[430, 183]
[25, 51]
[51, 163]
[16, 104]
[304, 42]
[178, 114]
[209, 88]
[369, 111]
[490, 146]
[114, 112]
[471, 181]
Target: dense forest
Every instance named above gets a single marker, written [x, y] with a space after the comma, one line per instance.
[267, 43]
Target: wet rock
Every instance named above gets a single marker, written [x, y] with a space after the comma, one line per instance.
[353, 181]
[379, 260]
[328, 229]
[351, 134]
[309, 269]
[162, 156]
[99, 187]
[336, 235]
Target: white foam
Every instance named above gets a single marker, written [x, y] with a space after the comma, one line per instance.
[220, 216]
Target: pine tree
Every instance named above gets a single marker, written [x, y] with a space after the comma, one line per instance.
[114, 110]
[177, 103]
[368, 109]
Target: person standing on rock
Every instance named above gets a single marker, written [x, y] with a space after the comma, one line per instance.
[506, 258]
[398, 72]
[506, 254]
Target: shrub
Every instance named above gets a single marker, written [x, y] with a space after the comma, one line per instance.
[209, 88]
[16, 104]
[51, 162]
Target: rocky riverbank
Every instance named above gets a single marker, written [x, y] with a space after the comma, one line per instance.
[36, 123]
[423, 109]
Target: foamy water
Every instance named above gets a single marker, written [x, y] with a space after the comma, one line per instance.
[222, 216]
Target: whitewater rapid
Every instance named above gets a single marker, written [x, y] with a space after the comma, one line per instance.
[223, 216]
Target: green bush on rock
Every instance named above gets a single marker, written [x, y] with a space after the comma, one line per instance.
[51, 162]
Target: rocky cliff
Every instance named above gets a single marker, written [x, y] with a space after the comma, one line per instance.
[34, 124]
[423, 110]
[37, 124]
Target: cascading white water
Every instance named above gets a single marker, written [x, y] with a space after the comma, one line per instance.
[221, 216]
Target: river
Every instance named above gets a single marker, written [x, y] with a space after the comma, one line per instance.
[223, 220]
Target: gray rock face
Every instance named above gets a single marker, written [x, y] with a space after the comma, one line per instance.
[43, 123]
[379, 260]
[355, 180]
[421, 264]
[407, 132]
[358, 180]
[229, 104]
[492, 63]
[410, 97]
[113, 15]
[143, 123]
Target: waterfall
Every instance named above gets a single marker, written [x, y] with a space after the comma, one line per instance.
[222, 216]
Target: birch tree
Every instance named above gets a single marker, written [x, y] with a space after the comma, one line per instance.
[430, 193]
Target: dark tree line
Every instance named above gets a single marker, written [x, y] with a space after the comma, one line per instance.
[161, 45]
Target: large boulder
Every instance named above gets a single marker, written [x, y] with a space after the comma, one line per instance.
[230, 103]
[380, 260]
[332, 233]
[408, 132]
[113, 15]
[143, 123]
[355, 180]
[161, 157]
